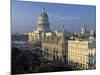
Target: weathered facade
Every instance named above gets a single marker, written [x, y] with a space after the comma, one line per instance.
[62, 47]
[76, 53]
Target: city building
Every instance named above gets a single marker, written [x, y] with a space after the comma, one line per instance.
[20, 37]
[77, 50]
[43, 26]
[79, 53]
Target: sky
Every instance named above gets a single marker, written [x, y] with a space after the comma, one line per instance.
[24, 16]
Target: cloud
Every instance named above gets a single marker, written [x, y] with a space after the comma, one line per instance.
[69, 17]
[66, 17]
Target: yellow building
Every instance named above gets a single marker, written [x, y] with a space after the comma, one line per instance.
[78, 53]
[51, 48]
[54, 47]
[34, 36]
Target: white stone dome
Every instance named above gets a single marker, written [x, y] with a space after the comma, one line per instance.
[43, 23]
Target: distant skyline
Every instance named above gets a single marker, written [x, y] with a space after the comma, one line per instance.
[24, 16]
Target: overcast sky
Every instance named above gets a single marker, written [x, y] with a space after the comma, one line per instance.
[25, 14]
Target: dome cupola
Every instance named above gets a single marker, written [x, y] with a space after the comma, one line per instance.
[43, 23]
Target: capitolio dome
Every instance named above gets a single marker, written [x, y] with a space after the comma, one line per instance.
[43, 23]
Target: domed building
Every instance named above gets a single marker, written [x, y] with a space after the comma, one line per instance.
[83, 29]
[43, 22]
[43, 26]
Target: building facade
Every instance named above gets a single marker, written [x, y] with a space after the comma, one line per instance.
[79, 51]
[54, 47]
